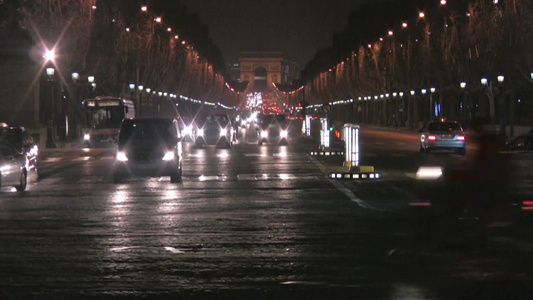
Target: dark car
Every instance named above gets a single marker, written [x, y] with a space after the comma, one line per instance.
[273, 129]
[12, 168]
[443, 135]
[148, 147]
[213, 129]
[21, 141]
[521, 143]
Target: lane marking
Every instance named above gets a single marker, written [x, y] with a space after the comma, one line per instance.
[343, 189]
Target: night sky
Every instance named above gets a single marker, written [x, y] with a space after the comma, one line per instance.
[297, 28]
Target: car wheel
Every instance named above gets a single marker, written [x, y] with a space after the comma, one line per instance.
[23, 182]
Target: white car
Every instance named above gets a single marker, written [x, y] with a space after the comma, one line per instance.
[12, 168]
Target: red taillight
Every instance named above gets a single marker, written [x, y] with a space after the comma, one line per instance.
[432, 137]
[461, 138]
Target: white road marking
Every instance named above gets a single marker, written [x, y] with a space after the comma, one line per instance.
[345, 190]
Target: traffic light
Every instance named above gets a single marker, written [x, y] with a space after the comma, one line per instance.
[299, 104]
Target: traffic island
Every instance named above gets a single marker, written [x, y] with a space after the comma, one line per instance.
[351, 168]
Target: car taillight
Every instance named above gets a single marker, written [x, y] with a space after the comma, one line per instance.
[432, 137]
[461, 138]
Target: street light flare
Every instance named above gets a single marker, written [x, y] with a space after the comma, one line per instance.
[49, 55]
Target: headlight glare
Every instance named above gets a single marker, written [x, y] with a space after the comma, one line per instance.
[121, 156]
[223, 131]
[169, 156]
[264, 134]
[86, 137]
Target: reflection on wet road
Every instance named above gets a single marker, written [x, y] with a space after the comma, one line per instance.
[255, 222]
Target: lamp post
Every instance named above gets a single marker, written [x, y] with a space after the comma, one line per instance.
[503, 107]
[412, 113]
[90, 79]
[132, 90]
[424, 92]
[490, 93]
[463, 101]
[50, 71]
[141, 88]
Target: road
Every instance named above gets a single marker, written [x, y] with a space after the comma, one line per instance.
[254, 222]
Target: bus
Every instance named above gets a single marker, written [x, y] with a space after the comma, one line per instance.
[101, 119]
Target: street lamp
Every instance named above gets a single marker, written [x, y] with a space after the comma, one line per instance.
[50, 71]
[432, 90]
[463, 102]
[132, 89]
[75, 76]
[489, 92]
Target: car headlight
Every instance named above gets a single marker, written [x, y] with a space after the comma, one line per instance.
[86, 137]
[188, 130]
[121, 156]
[283, 134]
[200, 132]
[264, 134]
[223, 131]
[169, 156]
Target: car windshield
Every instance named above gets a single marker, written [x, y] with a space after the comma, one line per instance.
[444, 126]
[147, 129]
[213, 119]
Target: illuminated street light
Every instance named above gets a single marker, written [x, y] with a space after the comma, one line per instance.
[501, 78]
[50, 71]
[421, 15]
[144, 8]
[484, 81]
[49, 55]
[424, 91]
[463, 85]
[90, 79]
[140, 87]
[413, 93]
[75, 76]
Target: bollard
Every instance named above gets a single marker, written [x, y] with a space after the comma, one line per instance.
[352, 156]
[324, 133]
[351, 139]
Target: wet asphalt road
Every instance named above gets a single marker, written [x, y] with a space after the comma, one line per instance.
[251, 222]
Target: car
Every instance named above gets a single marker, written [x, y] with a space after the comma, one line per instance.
[521, 143]
[439, 135]
[21, 141]
[272, 129]
[213, 129]
[12, 168]
[148, 147]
